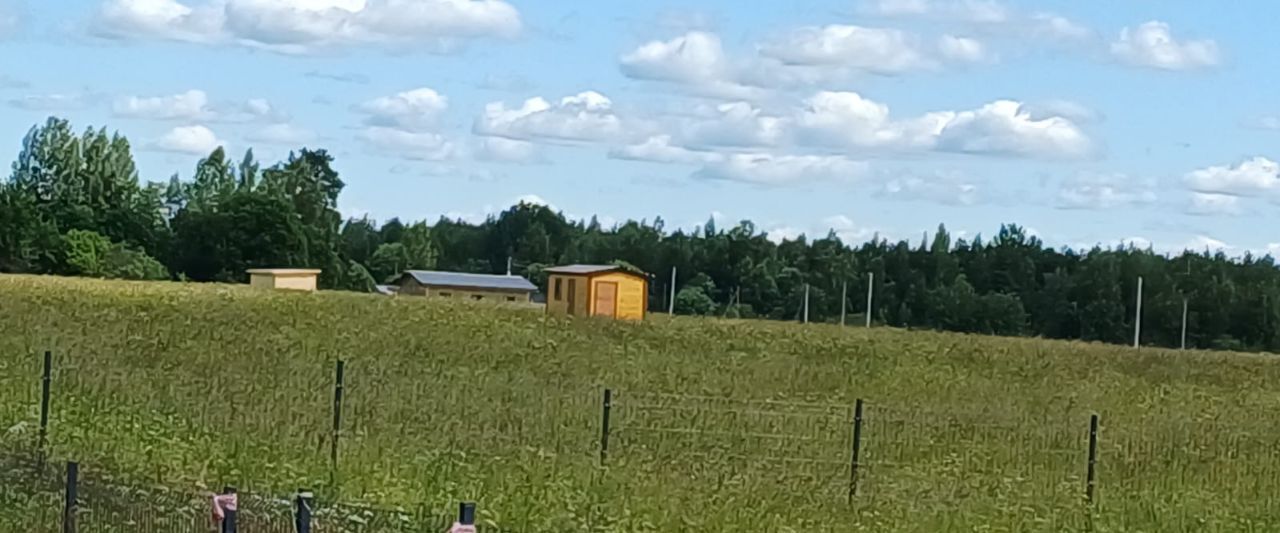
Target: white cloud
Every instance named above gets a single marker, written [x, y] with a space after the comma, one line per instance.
[942, 189]
[1255, 176]
[1005, 128]
[1104, 191]
[195, 139]
[282, 133]
[585, 117]
[986, 15]
[733, 124]
[659, 149]
[999, 128]
[418, 146]
[1265, 122]
[696, 59]
[52, 102]
[509, 151]
[1073, 111]
[1153, 45]
[693, 57]
[1209, 204]
[770, 169]
[963, 49]
[877, 50]
[187, 106]
[415, 110]
[983, 11]
[847, 230]
[1205, 242]
[299, 26]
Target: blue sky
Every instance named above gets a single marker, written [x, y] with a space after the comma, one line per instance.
[1089, 122]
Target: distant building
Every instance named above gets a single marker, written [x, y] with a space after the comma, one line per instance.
[295, 279]
[597, 290]
[492, 287]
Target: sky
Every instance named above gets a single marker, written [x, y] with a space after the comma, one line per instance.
[1087, 122]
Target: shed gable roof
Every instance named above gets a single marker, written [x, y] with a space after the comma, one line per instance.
[480, 281]
[589, 270]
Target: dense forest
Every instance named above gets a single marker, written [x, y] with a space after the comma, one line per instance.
[74, 204]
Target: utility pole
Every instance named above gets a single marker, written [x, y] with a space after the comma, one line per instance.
[1184, 323]
[671, 306]
[508, 265]
[871, 284]
[844, 300]
[806, 303]
[1137, 317]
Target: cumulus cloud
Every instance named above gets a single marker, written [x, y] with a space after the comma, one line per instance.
[509, 151]
[414, 110]
[53, 102]
[747, 167]
[1253, 177]
[696, 59]
[984, 14]
[282, 134]
[418, 146]
[1003, 127]
[1104, 191]
[1209, 204]
[1153, 45]
[1073, 111]
[877, 50]
[735, 124]
[660, 149]
[188, 105]
[195, 140]
[942, 189]
[963, 49]
[300, 26]
[771, 169]
[585, 117]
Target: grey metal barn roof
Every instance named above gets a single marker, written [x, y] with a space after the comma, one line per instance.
[478, 281]
[582, 269]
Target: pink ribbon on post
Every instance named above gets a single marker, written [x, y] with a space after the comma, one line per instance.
[461, 528]
[221, 504]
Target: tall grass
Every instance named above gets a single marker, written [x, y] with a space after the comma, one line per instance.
[718, 425]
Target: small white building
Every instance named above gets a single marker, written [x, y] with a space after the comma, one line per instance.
[293, 279]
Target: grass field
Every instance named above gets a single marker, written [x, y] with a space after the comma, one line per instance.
[717, 425]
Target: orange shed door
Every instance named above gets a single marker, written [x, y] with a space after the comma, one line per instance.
[606, 298]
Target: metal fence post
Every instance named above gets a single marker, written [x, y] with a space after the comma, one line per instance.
[604, 425]
[70, 505]
[46, 378]
[228, 513]
[302, 511]
[1091, 478]
[337, 418]
[857, 448]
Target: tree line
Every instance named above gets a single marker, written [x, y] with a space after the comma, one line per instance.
[74, 205]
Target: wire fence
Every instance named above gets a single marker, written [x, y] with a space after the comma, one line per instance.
[1167, 465]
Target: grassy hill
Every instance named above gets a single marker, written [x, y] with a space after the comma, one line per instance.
[717, 425]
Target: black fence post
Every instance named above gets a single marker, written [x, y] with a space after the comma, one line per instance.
[857, 448]
[1091, 477]
[302, 511]
[337, 418]
[467, 513]
[228, 513]
[46, 378]
[604, 426]
[70, 502]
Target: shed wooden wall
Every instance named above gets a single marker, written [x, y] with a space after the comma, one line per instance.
[632, 294]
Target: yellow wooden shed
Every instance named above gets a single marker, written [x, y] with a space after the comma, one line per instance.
[295, 279]
[597, 290]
